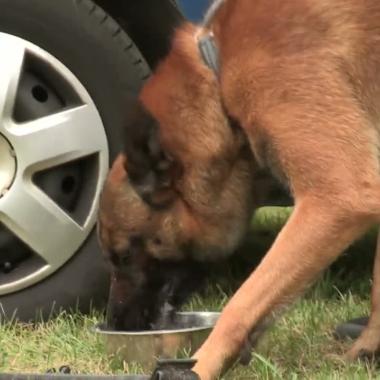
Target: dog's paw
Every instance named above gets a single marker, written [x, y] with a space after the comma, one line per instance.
[366, 351]
[362, 354]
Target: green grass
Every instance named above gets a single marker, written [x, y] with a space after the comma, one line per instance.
[299, 345]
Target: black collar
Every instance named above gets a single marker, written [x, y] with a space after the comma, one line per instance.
[209, 52]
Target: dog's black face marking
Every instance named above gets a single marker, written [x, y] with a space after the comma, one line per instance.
[150, 169]
[146, 292]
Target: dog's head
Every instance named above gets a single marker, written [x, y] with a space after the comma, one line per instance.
[147, 250]
[181, 193]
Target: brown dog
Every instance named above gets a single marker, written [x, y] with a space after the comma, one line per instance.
[201, 199]
[300, 77]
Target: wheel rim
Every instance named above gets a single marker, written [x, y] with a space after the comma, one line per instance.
[67, 136]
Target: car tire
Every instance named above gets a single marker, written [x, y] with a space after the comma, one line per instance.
[103, 58]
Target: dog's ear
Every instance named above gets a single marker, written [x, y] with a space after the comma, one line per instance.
[151, 171]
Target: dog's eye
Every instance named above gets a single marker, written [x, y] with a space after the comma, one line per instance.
[157, 241]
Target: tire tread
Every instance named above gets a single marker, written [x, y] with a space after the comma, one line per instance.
[111, 27]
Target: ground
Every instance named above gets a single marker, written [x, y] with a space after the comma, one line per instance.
[299, 346]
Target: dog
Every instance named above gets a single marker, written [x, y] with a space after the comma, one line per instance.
[300, 78]
[163, 219]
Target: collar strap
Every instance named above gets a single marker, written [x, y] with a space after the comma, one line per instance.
[209, 52]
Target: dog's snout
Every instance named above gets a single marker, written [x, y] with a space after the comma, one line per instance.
[116, 311]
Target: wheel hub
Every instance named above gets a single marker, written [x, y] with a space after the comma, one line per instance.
[7, 165]
[53, 183]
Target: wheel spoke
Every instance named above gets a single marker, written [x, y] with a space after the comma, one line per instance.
[40, 223]
[12, 57]
[57, 139]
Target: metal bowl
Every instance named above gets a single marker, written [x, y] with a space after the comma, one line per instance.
[145, 347]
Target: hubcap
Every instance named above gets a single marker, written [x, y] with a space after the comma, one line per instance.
[7, 165]
[68, 135]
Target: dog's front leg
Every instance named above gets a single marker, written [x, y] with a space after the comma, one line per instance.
[313, 237]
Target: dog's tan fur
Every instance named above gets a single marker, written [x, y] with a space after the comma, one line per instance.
[301, 78]
[214, 198]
